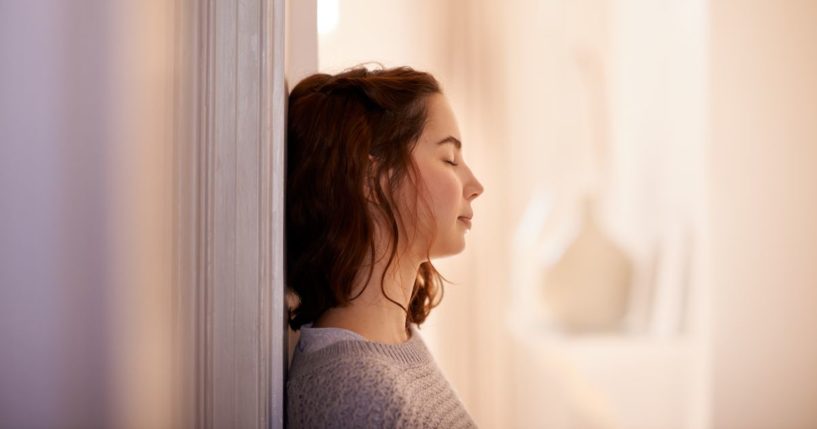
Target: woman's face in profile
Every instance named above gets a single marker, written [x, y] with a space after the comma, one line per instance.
[450, 184]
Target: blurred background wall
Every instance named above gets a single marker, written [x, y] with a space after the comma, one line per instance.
[85, 259]
[763, 181]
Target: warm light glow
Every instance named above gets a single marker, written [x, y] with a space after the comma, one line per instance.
[328, 13]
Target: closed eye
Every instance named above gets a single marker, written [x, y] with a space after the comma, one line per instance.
[451, 162]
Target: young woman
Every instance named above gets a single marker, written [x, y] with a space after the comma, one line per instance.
[377, 187]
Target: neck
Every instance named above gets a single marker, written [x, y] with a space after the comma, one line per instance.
[371, 314]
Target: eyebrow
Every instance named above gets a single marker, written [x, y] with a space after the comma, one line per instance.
[451, 139]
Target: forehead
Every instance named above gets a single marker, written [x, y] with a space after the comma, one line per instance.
[441, 124]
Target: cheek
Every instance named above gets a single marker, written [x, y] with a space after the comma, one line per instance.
[444, 191]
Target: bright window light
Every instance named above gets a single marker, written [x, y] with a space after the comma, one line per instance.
[328, 12]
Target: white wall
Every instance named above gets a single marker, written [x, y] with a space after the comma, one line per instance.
[393, 32]
[764, 214]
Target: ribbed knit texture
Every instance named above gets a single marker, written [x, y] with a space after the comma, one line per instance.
[365, 384]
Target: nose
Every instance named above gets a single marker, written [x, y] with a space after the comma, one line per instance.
[473, 188]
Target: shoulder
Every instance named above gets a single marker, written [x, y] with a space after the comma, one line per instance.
[355, 391]
[341, 371]
[343, 374]
[363, 384]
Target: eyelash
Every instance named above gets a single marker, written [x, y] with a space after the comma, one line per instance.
[451, 162]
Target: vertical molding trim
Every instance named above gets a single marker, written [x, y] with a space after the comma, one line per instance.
[274, 126]
[229, 99]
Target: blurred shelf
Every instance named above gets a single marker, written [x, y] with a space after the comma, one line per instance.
[615, 380]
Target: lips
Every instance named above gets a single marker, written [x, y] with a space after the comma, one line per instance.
[465, 220]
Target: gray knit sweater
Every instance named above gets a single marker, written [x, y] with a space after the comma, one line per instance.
[355, 383]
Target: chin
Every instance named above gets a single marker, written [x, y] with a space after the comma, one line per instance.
[450, 248]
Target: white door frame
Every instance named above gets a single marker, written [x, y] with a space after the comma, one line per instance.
[229, 194]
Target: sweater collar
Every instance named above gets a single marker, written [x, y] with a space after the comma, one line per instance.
[412, 351]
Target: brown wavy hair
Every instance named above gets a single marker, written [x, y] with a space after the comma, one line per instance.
[335, 124]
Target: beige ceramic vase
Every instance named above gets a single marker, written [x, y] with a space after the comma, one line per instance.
[588, 288]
